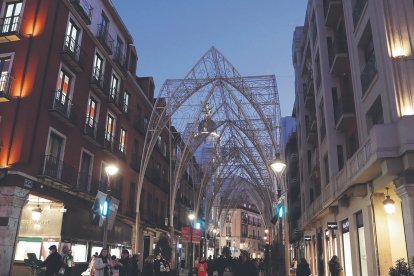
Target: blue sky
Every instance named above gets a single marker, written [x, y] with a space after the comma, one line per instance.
[254, 35]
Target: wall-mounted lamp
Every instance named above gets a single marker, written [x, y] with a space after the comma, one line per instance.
[37, 212]
[389, 204]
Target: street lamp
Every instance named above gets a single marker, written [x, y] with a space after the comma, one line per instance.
[277, 165]
[389, 204]
[191, 217]
[110, 171]
[214, 242]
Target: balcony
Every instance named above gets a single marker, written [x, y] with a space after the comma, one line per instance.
[338, 57]
[97, 81]
[313, 124]
[105, 38]
[322, 131]
[309, 95]
[369, 73]
[311, 136]
[84, 8]
[73, 55]
[57, 170]
[10, 28]
[93, 132]
[6, 81]
[333, 11]
[135, 162]
[113, 100]
[108, 142]
[120, 58]
[344, 113]
[64, 110]
[358, 10]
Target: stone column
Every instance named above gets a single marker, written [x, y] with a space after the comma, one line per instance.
[12, 200]
[406, 193]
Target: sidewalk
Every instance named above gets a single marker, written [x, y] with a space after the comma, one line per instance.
[185, 273]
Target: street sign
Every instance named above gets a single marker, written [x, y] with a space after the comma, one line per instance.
[186, 234]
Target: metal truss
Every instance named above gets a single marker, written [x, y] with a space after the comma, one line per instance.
[229, 125]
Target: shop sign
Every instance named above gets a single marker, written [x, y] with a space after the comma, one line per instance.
[345, 226]
[332, 225]
[307, 238]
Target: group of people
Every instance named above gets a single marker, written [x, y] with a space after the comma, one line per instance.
[57, 264]
[243, 266]
[303, 268]
[158, 266]
[106, 265]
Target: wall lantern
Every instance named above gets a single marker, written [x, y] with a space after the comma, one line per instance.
[389, 204]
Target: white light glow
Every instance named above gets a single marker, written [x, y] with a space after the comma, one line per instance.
[191, 216]
[36, 213]
[111, 170]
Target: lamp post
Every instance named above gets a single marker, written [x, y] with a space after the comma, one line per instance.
[214, 242]
[278, 166]
[110, 171]
[191, 217]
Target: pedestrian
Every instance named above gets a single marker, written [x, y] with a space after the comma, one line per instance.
[210, 266]
[133, 265]
[124, 263]
[202, 267]
[68, 262]
[220, 265]
[91, 268]
[53, 262]
[103, 264]
[303, 268]
[116, 265]
[161, 266]
[246, 266]
[148, 268]
[182, 265]
[334, 266]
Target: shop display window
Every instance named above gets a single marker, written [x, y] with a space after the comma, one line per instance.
[25, 246]
[96, 249]
[115, 250]
[79, 252]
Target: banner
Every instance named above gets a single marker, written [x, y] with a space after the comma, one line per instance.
[99, 207]
[186, 234]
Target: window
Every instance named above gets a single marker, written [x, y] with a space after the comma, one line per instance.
[98, 67]
[72, 37]
[322, 129]
[104, 22]
[63, 87]
[361, 244]
[228, 218]
[85, 170]
[91, 112]
[326, 165]
[228, 231]
[145, 124]
[122, 140]
[11, 21]
[126, 102]
[109, 128]
[375, 114]
[5, 67]
[159, 142]
[346, 243]
[113, 94]
[54, 154]
[340, 153]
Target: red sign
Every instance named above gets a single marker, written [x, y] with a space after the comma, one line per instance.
[186, 234]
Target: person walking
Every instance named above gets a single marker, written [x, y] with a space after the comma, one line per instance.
[334, 266]
[245, 267]
[124, 263]
[116, 265]
[103, 264]
[202, 267]
[68, 262]
[220, 265]
[210, 266]
[303, 268]
[134, 265]
[53, 262]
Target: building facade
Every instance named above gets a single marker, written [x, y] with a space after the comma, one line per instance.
[354, 110]
[70, 104]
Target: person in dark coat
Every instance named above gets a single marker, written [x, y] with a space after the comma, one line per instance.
[220, 265]
[210, 266]
[53, 262]
[134, 265]
[334, 266]
[125, 263]
[303, 268]
[245, 267]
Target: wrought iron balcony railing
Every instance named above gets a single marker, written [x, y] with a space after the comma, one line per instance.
[84, 8]
[74, 53]
[105, 38]
[6, 81]
[10, 25]
[56, 169]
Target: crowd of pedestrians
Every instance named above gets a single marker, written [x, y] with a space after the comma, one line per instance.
[106, 265]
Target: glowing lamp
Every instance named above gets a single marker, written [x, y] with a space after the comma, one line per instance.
[278, 166]
[389, 204]
[191, 216]
[36, 213]
[111, 170]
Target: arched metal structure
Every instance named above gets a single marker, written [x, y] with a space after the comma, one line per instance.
[243, 113]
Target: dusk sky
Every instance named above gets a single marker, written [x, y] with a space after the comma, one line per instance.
[254, 35]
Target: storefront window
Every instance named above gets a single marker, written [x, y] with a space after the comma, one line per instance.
[96, 249]
[27, 245]
[116, 251]
[361, 244]
[79, 252]
[346, 243]
[328, 244]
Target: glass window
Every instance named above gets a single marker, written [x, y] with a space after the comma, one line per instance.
[98, 67]
[79, 252]
[63, 86]
[126, 102]
[361, 243]
[12, 17]
[114, 87]
[109, 127]
[164, 149]
[96, 249]
[159, 142]
[122, 140]
[72, 37]
[91, 112]
[5, 66]
[346, 243]
[27, 246]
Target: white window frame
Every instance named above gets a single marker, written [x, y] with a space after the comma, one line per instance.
[73, 80]
[113, 125]
[3, 7]
[97, 52]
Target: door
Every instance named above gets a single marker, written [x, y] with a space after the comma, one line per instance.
[5, 73]
[85, 170]
[12, 17]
